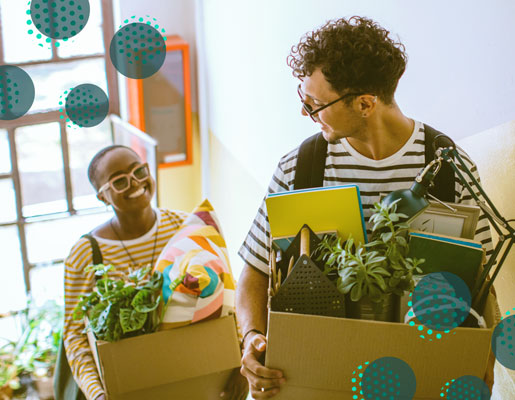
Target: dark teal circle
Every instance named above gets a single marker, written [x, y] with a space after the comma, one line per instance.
[468, 387]
[388, 378]
[17, 105]
[83, 111]
[56, 21]
[141, 65]
[437, 292]
[503, 342]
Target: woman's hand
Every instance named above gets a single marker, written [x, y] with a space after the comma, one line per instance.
[237, 387]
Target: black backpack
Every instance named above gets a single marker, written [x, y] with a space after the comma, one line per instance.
[309, 172]
[65, 387]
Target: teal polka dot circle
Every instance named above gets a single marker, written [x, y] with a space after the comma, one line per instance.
[468, 387]
[87, 105]
[16, 92]
[137, 50]
[59, 19]
[503, 342]
[388, 378]
[441, 301]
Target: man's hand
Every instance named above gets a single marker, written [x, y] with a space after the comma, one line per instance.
[264, 382]
[237, 387]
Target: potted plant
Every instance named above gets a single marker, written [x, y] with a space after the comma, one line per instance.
[9, 380]
[373, 275]
[118, 309]
[36, 350]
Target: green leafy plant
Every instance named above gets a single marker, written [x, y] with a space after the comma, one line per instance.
[377, 269]
[9, 371]
[117, 309]
[36, 349]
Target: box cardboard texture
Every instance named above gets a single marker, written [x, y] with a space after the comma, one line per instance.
[319, 354]
[191, 362]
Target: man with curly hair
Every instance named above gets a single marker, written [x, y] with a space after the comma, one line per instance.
[348, 71]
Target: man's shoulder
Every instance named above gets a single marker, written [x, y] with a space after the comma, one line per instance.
[289, 160]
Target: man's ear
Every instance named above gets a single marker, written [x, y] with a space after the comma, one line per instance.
[367, 104]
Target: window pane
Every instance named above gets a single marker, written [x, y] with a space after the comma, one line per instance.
[47, 283]
[64, 233]
[5, 155]
[12, 295]
[90, 39]
[40, 163]
[83, 145]
[7, 201]
[52, 80]
[19, 46]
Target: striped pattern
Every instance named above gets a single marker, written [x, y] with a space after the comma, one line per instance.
[78, 283]
[344, 165]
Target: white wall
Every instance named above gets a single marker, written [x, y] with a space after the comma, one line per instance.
[459, 77]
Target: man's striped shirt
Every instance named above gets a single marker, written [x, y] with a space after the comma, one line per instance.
[344, 165]
[80, 283]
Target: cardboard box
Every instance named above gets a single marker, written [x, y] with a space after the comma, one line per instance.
[192, 362]
[319, 354]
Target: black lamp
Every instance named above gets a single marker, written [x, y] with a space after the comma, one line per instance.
[413, 202]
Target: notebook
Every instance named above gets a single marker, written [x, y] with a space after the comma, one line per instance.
[462, 257]
[333, 208]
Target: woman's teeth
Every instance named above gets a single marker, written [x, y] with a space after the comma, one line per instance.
[137, 193]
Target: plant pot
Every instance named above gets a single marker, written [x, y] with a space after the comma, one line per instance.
[5, 392]
[388, 311]
[44, 386]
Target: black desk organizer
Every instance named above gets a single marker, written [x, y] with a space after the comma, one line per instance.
[306, 290]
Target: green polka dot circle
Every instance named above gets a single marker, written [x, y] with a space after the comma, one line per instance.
[503, 342]
[87, 105]
[16, 92]
[137, 50]
[388, 378]
[441, 301]
[59, 19]
[468, 387]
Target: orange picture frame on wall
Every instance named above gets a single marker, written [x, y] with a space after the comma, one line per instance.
[160, 105]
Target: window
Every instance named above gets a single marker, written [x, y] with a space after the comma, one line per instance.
[46, 201]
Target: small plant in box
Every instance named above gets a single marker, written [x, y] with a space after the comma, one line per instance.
[117, 308]
[374, 275]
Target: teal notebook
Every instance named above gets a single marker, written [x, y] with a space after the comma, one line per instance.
[462, 257]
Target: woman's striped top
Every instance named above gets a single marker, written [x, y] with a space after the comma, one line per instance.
[344, 165]
[79, 283]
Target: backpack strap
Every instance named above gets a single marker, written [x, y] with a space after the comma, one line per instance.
[443, 186]
[97, 254]
[309, 172]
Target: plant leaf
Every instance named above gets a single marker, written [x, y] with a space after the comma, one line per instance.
[131, 320]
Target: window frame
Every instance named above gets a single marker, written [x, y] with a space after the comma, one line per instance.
[49, 116]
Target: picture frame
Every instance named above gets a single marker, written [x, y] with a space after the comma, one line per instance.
[437, 218]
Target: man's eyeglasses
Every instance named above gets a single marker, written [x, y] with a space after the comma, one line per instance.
[309, 110]
[120, 183]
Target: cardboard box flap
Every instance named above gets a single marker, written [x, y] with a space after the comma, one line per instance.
[178, 354]
[321, 353]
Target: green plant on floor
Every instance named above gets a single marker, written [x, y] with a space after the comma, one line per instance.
[117, 309]
[36, 350]
[378, 268]
[9, 379]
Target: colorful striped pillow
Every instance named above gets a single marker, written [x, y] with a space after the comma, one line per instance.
[198, 282]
